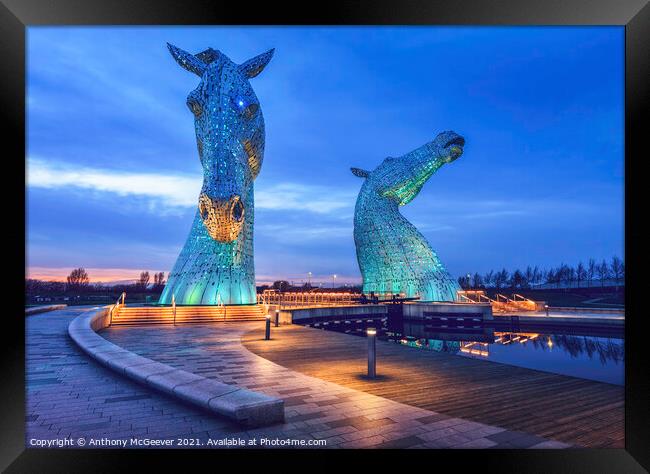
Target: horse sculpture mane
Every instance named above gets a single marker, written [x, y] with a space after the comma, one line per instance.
[216, 264]
[394, 257]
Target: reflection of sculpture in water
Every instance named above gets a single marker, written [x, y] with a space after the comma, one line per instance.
[216, 263]
[393, 256]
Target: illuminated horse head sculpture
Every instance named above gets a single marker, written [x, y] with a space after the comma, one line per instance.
[216, 264]
[393, 256]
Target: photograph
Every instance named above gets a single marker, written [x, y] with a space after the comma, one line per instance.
[344, 237]
[403, 233]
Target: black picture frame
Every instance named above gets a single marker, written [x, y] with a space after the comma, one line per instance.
[17, 15]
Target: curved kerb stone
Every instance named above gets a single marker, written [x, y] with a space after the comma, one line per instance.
[244, 406]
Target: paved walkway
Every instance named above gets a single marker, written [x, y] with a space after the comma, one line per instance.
[577, 411]
[70, 396]
[314, 407]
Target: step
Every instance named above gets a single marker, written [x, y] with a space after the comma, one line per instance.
[206, 320]
[220, 312]
[165, 321]
[126, 316]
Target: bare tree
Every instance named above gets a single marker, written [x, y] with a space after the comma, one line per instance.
[501, 278]
[143, 281]
[477, 281]
[617, 268]
[529, 277]
[570, 275]
[517, 279]
[551, 276]
[158, 280]
[581, 273]
[488, 279]
[603, 272]
[78, 279]
[537, 275]
[591, 270]
[281, 285]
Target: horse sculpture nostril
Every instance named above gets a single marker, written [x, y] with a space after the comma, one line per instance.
[237, 210]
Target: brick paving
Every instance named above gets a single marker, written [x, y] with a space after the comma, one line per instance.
[71, 396]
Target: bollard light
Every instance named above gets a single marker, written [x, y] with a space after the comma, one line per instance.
[372, 353]
[546, 308]
[267, 334]
[277, 318]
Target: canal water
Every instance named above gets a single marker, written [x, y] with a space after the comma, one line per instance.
[600, 358]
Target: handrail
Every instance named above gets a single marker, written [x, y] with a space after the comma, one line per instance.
[312, 298]
[116, 306]
[174, 307]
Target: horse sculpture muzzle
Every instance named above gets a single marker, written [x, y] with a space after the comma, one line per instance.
[223, 218]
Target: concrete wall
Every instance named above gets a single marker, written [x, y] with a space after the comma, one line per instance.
[43, 309]
[333, 312]
[416, 310]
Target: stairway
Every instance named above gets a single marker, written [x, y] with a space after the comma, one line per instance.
[135, 316]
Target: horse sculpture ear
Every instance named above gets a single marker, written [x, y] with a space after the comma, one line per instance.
[358, 172]
[254, 66]
[186, 60]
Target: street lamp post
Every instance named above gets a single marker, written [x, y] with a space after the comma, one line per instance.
[267, 334]
[372, 353]
[333, 280]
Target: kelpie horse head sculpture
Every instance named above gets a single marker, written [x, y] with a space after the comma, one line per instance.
[216, 264]
[393, 256]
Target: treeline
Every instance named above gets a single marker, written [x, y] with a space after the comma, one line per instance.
[590, 274]
[78, 282]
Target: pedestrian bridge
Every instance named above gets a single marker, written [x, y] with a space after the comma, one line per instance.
[500, 303]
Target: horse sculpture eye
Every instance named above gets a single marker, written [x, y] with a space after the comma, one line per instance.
[251, 110]
[194, 107]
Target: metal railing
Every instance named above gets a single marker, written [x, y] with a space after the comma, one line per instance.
[116, 306]
[222, 305]
[306, 298]
[500, 303]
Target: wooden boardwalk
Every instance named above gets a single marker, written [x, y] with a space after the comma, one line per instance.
[567, 409]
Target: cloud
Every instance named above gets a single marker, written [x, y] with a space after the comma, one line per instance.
[297, 233]
[180, 191]
[171, 191]
[312, 198]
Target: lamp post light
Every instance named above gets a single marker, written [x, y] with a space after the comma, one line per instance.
[546, 308]
[372, 353]
[277, 318]
[267, 334]
[333, 280]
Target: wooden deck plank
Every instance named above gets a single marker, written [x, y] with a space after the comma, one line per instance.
[569, 409]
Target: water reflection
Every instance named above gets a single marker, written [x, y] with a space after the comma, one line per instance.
[605, 350]
[600, 358]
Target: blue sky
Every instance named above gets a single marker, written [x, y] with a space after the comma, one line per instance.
[113, 173]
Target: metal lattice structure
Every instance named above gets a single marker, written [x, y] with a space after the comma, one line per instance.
[216, 264]
[394, 257]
